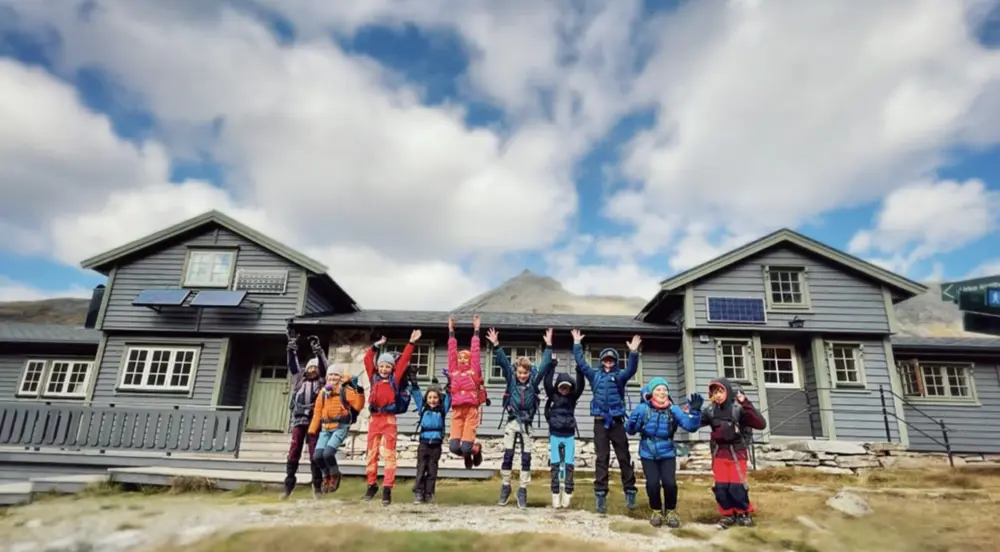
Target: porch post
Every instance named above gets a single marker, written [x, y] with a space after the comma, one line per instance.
[823, 384]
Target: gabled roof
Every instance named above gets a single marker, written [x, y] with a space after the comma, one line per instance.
[102, 262]
[903, 286]
[503, 320]
[20, 332]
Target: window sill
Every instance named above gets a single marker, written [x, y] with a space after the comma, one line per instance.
[782, 386]
[153, 392]
[196, 287]
[790, 309]
[856, 390]
[927, 401]
[44, 399]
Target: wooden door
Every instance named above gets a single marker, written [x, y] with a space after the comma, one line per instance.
[269, 396]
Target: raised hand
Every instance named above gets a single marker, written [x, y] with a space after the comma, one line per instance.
[493, 337]
[740, 397]
[314, 342]
[381, 341]
[634, 344]
[451, 323]
[293, 344]
[547, 336]
[577, 336]
[475, 321]
[414, 336]
[695, 401]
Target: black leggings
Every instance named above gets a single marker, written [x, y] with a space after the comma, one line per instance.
[659, 474]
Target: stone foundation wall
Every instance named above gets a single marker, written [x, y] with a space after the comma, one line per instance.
[833, 457]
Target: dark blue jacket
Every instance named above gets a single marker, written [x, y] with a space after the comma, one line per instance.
[656, 428]
[608, 387]
[522, 398]
[431, 424]
[560, 410]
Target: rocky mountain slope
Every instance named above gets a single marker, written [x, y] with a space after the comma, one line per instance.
[925, 315]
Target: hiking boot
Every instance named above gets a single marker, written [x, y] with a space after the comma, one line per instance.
[429, 498]
[630, 499]
[672, 519]
[327, 481]
[371, 492]
[334, 483]
[656, 519]
[477, 455]
[284, 495]
[602, 502]
[386, 496]
[726, 522]
[418, 497]
[522, 498]
[317, 494]
[504, 495]
[556, 502]
[468, 461]
[744, 520]
[566, 499]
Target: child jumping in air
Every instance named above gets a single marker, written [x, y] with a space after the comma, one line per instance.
[608, 409]
[656, 420]
[729, 414]
[560, 413]
[465, 381]
[306, 386]
[432, 408]
[386, 377]
[521, 406]
[337, 407]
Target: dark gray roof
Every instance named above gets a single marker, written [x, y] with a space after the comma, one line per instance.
[508, 320]
[19, 332]
[976, 343]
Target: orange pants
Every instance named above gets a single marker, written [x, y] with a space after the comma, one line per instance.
[464, 423]
[382, 431]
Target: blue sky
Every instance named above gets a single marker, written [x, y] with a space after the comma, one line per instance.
[606, 144]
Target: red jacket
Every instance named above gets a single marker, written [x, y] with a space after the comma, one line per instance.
[381, 394]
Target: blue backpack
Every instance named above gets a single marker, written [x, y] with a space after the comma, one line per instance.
[403, 396]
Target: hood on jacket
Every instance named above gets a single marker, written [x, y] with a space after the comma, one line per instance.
[565, 379]
[727, 385]
[609, 352]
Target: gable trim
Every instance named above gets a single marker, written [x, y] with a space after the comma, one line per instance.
[102, 260]
[786, 236]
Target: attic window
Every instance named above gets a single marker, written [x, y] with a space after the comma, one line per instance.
[786, 288]
[209, 268]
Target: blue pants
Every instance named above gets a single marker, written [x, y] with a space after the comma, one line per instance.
[562, 462]
[326, 449]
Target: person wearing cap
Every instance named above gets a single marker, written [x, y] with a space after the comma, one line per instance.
[306, 386]
[563, 392]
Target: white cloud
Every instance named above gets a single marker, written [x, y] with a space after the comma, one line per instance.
[11, 290]
[989, 268]
[927, 218]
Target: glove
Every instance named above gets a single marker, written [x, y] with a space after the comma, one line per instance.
[434, 380]
[293, 344]
[695, 401]
[314, 343]
[488, 401]
[411, 375]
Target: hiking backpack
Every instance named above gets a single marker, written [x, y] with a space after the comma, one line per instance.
[352, 415]
[671, 419]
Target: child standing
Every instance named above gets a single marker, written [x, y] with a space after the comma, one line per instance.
[656, 420]
[306, 386]
[521, 405]
[337, 407]
[560, 413]
[608, 409]
[386, 377]
[432, 408]
[729, 415]
[465, 380]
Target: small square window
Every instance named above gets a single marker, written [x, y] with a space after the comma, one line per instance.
[734, 360]
[846, 364]
[209, 268]
[421, 360]
[786, 287]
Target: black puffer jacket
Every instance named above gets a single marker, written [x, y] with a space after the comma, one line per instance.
[560, 410]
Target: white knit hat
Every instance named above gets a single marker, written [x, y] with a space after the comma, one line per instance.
[313, 363]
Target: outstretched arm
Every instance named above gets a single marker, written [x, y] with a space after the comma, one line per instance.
[550, 388]
[632, 424]
[752, 418]
[632, 364]
[370, 358]
[320, 355]
[581, 382]
[476, 360]
[581, 362]
[544, 370]
[505, 368]
[689, 422]
[452, 346]
[293, 358]
[418, 398]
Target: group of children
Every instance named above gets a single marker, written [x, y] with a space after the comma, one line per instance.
[322, 415]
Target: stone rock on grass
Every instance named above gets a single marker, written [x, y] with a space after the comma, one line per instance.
[195, 534]
[808, 523]
[119, 540]
[849, 504]
[839, 448]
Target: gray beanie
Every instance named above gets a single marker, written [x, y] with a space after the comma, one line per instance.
[386, 358]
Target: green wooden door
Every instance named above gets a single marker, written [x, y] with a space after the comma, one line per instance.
[269, 398]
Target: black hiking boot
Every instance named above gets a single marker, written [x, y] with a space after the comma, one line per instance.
[602, 502]
[744, 520]
[371, 492]
[429, 498]
[630, 499]
[504, 495]
[522, 498]
[477, 455]
[726, 522]
[386, 496]
[418, 497]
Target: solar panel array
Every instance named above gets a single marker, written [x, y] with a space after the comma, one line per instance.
[263, 281]
[736, 310]
[218, 298]
[161, 297]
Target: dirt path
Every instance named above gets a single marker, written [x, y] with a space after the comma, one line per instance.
[143, 523]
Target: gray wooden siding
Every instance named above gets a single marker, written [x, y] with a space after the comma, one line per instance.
[841, 301]
[315, 302]
[105, 390]
[678, 385]
[12, 368]
[788, 412]
[858, 413]
[971, 427]
[809, 373]
[163, 269]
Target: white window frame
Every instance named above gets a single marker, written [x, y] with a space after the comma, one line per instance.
[794, 357]
[490, 378]
[859, 365]
[908, 369]
[803, 274]
[594, 350]
[144, 386]
[46, 374]
[398, 346]
[749, 363]
[189, 282]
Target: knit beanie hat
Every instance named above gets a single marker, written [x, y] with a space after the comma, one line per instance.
[656, 382]
[386, 358]
[313, 363]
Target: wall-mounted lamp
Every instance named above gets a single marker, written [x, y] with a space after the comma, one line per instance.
[796, 323]
[703, 338]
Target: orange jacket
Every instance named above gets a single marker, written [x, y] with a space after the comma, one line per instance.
[329, 408]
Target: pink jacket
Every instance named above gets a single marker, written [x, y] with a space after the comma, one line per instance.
[464, 379]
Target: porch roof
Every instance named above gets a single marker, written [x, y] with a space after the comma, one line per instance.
[20, 332]
[503, 320]
[949, 343]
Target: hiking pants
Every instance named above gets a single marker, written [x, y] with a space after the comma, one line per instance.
[428, 456]
[730, 484]
[513, 432]
[464, 423]
[661, 474]
[301, 438]
[604, 440]
[326, 449]
[562, 459]
[382, 432]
